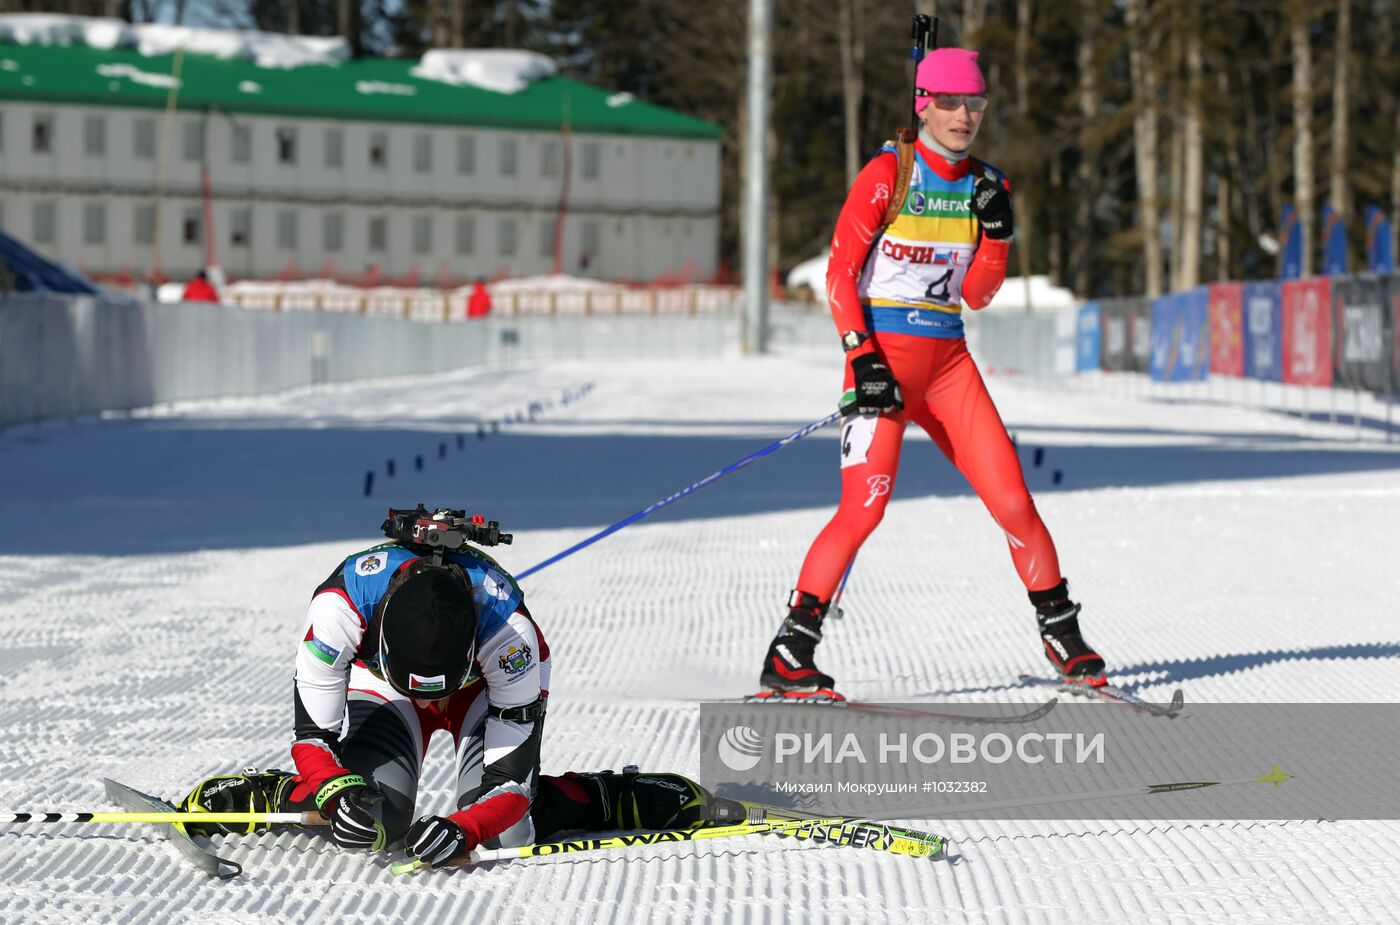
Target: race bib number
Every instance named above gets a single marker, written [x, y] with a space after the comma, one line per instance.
[857, 433]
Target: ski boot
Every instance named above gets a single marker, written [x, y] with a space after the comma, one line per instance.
[253, 791]
[788, 668]
[1066, 648]
[604, 801]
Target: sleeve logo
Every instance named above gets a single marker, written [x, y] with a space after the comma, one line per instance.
[515, 660]
[323, 651]
[372, 564]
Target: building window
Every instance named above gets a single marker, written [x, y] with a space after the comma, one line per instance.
[242, 144]
[192, 228]
[378, 233]
[94, 136]
[45, 218]
[589, 242]
[466, 154]
[379, 149]
[43, 134]
[144, 224]
[549, 159]
[194, 141]
[335, 147]
[332, 232]
[590, 160]
[240, 225]
[505, 237]
[422, 234]
[547, 237]
[94, 222]
[466, 235]
[287, 145]
[508, 157]
[287, 229]
[423, 152]
[144, 139]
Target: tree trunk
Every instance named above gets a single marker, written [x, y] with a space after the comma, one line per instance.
[1088, 157]
[1025, 204]
[974, 16]
[1302, 132]
[1340, 101]
[1224, 188]
[293, 17]
[1193, 154]
[1057, 266]
[458, 10]
[850, 38]
[1144, 78]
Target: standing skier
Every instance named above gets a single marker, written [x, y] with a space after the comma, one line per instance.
[895, 292]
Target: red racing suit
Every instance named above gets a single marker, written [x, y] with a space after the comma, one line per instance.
[903, 286]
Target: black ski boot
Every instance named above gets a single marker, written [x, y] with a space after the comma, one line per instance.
[788, 667]
[1066, 648]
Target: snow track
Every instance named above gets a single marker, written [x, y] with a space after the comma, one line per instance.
[154, 572]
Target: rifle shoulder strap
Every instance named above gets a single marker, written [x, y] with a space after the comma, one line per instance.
[904, 151]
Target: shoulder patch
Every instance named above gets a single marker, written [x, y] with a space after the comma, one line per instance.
[371, 564]
[496, 585]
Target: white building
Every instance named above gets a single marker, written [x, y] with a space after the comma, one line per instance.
[356, 164]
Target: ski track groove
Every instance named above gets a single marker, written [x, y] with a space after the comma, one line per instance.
[159, 668]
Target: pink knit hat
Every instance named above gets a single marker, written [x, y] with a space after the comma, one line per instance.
[948, 70]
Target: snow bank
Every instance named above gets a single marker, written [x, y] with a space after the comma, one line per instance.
[265, 49]
[1043, 296]
[558, 282]
[809, 273]
[499, 69]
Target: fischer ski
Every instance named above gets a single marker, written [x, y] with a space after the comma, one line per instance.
[830, 699]
[205, 859]
[1110, 693]
[841, 831]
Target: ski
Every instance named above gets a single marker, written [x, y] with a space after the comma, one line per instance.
[1110, 694]
[829, 699]
[855, 833]
[134, 800]
[841, 831]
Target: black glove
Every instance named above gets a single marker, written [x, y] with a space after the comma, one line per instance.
[435, 841]
[876, 389]
[991, 203]
[351, 802]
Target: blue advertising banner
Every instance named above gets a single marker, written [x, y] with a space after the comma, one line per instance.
[1334, 242]
[1180, 337]
[1378, 241]
[1290, 260]
[1263, 331]
[1086, 338]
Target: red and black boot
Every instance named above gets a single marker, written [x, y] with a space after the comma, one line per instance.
[1065, 646]
[788, 668]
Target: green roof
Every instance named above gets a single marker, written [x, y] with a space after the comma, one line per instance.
[54, 74]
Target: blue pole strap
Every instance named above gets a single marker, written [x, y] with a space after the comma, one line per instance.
[712, 477]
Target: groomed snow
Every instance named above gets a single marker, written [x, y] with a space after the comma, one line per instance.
[154, 572]
[500, 69]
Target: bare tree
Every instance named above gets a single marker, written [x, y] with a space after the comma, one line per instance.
[1142, 38]
[1302, 128]
[1340, 103]
[1192, 187]
[1088, 163]
[851, 38]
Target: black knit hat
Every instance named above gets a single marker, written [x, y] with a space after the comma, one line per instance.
[427, 631]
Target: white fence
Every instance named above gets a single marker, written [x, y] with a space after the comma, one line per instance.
[66, 356]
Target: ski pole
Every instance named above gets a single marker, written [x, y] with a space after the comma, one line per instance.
[840, 830]
[309, 818]
[712, 477]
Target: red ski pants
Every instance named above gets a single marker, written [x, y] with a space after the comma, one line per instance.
[944, 394]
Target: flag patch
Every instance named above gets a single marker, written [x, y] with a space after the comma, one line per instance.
[436, 682]
[323, 651]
